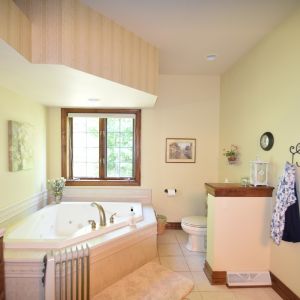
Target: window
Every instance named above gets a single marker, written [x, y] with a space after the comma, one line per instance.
[101, 147]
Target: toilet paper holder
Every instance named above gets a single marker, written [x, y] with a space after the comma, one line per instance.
[166, 191]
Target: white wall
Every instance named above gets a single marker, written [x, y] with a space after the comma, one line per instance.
[187, 107]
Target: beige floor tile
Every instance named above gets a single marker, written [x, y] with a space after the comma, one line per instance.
[168, 237]
[194, 296]
[188, 275]
[271, 294]
[175, 263]
[195, 263]
[187, 252]
[218, 296]
[169, 250]
[203, 285]
[181, 236]
[255, 293]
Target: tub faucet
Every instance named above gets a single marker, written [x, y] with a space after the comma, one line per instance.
[102, 217]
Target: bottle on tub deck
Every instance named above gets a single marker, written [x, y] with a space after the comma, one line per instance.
[131, 218]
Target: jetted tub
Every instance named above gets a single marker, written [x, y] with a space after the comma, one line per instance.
[66, 224]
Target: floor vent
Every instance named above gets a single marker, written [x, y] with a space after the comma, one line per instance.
[248, 278]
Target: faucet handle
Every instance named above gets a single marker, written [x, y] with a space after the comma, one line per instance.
[111, 219]
[93, 223]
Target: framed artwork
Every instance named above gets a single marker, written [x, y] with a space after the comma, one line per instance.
[180, 150]
[20, 146]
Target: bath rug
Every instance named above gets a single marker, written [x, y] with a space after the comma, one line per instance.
[150, 282]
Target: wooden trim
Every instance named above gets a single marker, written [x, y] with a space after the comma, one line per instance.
[102, 147]
[173, 225]
[137, 148]
[214, 277]
[236, 190]
[101, 181]
[282, 290]
[64, 148]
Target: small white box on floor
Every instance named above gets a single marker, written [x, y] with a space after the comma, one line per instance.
[248, 279]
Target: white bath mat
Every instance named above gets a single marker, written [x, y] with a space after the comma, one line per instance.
[150, 282]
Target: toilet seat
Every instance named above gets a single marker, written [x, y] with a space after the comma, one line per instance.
[194, 221]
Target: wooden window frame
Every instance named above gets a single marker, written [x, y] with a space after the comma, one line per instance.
[65, 163]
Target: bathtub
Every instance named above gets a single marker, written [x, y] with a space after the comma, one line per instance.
[66, 224]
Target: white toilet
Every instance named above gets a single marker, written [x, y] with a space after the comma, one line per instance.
[196, 228]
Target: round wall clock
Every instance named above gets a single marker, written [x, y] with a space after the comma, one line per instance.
[266, 141]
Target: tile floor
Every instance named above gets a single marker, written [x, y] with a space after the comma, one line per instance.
[173, 254]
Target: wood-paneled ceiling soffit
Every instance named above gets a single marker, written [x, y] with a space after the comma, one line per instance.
[70, 33]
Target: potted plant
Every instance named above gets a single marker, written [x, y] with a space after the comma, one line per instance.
[231, 154]
[56, 186]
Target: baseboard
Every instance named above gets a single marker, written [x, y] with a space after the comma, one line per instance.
[214, 277]
[282, 290]
[173, 225]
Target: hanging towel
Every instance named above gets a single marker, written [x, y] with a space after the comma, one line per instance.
[285, 197]
[291, 231]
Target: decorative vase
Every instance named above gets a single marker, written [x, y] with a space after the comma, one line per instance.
[58, 198]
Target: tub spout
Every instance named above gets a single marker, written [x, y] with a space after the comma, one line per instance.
[102, 217]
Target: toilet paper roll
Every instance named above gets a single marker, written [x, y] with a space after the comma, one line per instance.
[171, 192]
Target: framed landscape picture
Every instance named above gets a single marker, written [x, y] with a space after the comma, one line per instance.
[180, 150]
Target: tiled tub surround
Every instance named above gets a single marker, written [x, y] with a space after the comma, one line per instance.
[112, 256]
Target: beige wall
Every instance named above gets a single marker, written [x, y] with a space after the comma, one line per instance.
[18, 186]
[188, 106]
[262, 93]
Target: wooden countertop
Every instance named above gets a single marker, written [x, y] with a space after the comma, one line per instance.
[236, 190]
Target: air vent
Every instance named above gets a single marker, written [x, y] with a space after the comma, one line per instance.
[248, 278]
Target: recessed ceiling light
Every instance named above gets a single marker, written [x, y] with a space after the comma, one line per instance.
[211, 57]
[94, 99]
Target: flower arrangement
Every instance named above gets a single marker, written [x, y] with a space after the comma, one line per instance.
[232, 153]
[57, 186]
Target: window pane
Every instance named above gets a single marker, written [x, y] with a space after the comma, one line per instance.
[79, 154]
[126, 155]
[92, 125]
[113, 125]
[79, 124]
[112, 169]
[126, 139]
[79, 169]
[92, 170]
[125, 170]
[113, 155]
[126, 125]
[113, 139]
[120, 150]
[92, 155]
[79, 140]
[86, 147]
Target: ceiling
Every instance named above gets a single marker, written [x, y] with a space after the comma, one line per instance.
[186, 31]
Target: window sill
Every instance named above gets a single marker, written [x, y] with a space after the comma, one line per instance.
[95, 182]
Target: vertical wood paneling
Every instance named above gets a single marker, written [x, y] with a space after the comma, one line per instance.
[15, 28]
[70, 33]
